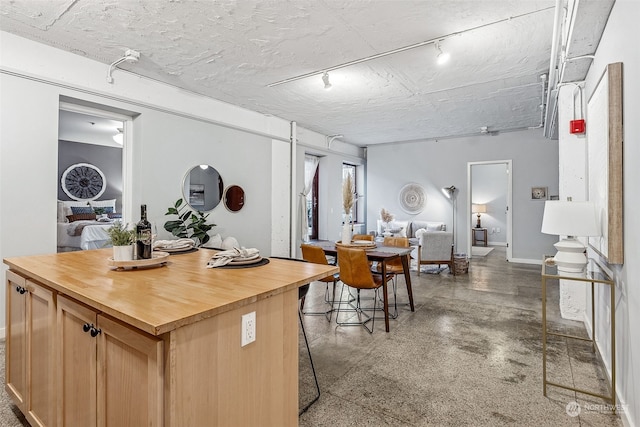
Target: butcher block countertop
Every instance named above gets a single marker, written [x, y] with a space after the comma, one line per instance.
[160, 299]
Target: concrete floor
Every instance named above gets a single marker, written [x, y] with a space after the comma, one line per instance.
[470, 354]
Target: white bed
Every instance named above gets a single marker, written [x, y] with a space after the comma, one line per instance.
[75, 231]
[82, 235]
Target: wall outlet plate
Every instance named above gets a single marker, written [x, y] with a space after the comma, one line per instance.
[248, 329]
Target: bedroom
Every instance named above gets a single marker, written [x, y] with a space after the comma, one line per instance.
[90, 159]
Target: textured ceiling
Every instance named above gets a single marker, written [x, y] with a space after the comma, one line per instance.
[232, 51]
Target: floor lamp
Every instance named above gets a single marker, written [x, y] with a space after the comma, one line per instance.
[450, 193]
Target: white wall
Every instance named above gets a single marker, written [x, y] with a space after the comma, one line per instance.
[436, 164]
[617, 45]
[173, 130]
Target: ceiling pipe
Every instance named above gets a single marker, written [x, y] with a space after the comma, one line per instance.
[331, 138]
[553, 73]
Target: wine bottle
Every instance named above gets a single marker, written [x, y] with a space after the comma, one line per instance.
[144, 237]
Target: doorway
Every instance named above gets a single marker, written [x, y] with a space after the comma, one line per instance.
[93, 150]
[489, 204]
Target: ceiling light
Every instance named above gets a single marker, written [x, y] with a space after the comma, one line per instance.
[443, 57]
[325, 79]
[118, 137]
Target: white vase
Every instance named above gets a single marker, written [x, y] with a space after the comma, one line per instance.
[346, 234]
[123, 253]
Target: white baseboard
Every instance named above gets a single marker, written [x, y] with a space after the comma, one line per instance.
[490, 243]
[2, 333]
[527, 261]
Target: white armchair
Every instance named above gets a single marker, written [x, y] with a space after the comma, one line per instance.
[435, 247]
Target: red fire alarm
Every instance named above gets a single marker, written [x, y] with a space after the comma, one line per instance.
[576, 126]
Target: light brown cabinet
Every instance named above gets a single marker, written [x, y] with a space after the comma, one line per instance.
[30, 359]
[158, 346]
[109, 374]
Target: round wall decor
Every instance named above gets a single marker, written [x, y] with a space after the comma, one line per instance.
[83, 181]
[412, 198]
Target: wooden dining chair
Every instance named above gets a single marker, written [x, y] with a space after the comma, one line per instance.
[315, 254]
[394, 267]
[356, 273]
[368, 237]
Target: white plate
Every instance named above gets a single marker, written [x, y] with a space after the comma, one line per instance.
[176, 249]
[245, 261]
[362, 242]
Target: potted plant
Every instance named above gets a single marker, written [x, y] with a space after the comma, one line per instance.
[122, 241]
[190, 224]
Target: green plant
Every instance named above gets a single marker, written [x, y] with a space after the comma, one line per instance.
[119, 235]
[191, 224]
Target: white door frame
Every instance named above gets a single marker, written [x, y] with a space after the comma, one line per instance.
[509, 165]
[127, 150]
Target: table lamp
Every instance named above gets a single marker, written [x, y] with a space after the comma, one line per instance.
[478, 209]
[570, 219]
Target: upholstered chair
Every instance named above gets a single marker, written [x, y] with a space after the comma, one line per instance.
[394, 267]
[356, 273]
[436, 247]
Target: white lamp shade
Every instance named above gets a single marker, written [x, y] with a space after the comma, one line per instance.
[565, 218]
[478, 208]
[570, 219]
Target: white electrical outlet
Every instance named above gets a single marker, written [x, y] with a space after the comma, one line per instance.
[498, 230]
[248, 328]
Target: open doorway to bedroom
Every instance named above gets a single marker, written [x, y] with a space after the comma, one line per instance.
[91, 175]
[489, 207]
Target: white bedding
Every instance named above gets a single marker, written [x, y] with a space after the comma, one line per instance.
[93, 236]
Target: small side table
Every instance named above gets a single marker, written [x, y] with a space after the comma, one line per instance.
[474, 233]
[593, 274]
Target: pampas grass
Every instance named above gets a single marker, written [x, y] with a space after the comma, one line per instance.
[347, 194]
[386, 216]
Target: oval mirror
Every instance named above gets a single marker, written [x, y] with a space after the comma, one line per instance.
[202, 188]
[234, 198]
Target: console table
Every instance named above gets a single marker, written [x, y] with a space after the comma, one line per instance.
[593, 274]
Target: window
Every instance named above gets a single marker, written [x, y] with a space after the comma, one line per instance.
[349, 169]
[311, 173]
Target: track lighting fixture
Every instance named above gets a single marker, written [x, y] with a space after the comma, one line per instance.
[443, 57]
[325, 79]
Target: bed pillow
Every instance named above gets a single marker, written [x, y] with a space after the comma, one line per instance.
[82, 210]
[104, 204]
[82, 217]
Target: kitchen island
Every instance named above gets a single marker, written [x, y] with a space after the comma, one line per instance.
[90, 345]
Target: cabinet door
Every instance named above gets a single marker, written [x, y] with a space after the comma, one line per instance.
[130, 376]
[77, 365]
[41, 329]
[16, 339]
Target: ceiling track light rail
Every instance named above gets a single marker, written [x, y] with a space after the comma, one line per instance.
[403, 49]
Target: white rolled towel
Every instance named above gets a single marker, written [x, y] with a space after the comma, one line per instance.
[225, 257]
[173, 244]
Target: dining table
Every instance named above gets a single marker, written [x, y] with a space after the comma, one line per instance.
[381, 254]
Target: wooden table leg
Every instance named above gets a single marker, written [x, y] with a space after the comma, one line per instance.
[407, 279]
